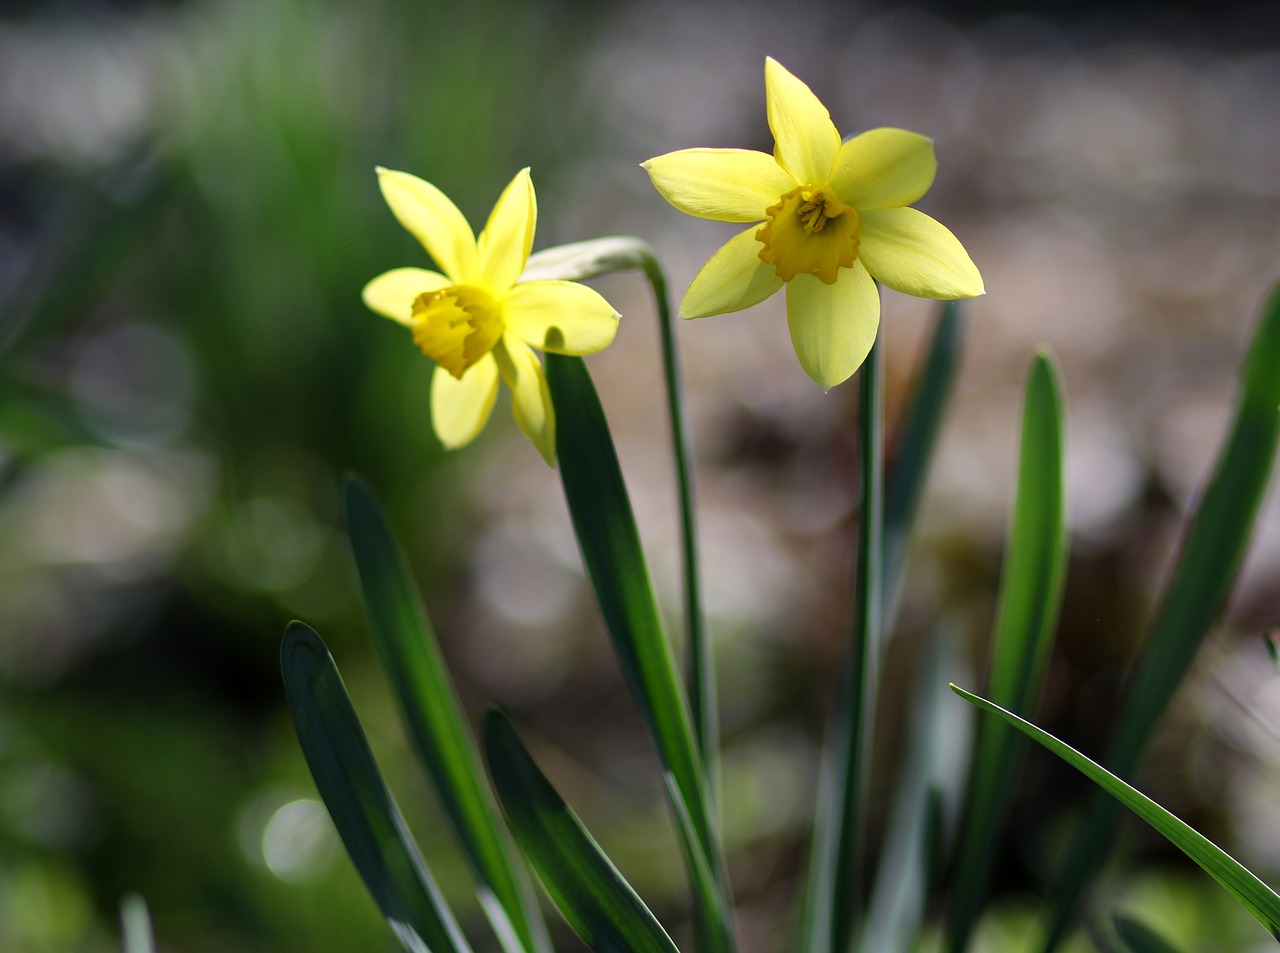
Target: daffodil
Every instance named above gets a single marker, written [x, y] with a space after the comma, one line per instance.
[830, 218]
[477, 320]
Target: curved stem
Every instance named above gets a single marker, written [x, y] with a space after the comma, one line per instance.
[601, 256]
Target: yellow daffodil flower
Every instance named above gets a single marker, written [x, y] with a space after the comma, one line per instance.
[830, 218]
[477, 320]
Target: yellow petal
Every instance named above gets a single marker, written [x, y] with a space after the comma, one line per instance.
[530, 397]
[805, 138]
[433, 220]
[732, 279]
[726, 185]
[910, 252]
[560, 316]
[884, 168]
[461, 408]
[833, 326]
[393, 292]
[508, 235]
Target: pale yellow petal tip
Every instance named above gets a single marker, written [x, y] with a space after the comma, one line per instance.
[364, 297]
[455, 444]
[773, 70]
[828, 384]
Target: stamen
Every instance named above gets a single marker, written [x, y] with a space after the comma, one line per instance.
[810, 232]
[811, 214]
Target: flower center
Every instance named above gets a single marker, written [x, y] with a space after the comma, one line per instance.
[456, 326]
[810, 232]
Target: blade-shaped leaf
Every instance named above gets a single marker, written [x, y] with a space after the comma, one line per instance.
[605, 526]
[1209, 560]
[918, 435]
[705, 886]
[583, 883]
[1254, 895]
[931, 782]
[135, 926]
[619, 253]
[362, 808]
[1140, 938]
[411, 656]
[1273, 646]
[1030, 599]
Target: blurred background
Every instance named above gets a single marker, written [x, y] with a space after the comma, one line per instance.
[188, 212]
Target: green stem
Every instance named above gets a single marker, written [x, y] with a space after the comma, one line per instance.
[833, 902]
[701, 674]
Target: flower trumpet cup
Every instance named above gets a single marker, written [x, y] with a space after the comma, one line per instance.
[829, 219]
[475, 318]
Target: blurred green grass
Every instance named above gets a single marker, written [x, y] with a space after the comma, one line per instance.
[186, 351]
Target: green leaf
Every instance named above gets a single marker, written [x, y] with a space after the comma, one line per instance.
[918, 435]
[1207, 565]
[597, 257]
[932, 779]
[1140, 938]
[411, 656]
[583, 883]
[832, 900]
[1272, 639]
[610, 544]
[1255, 896]
[362, 808]
[1030, 599]
[135, 926]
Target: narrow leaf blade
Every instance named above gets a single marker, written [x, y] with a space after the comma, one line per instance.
[931, 782]
[610, 543]
[1030, 599]
[918, 436]
[1140, 938]
[620, 253]
[1254, 895]
[588, 890]
[135, 926]
[428, 701]
[1209, 560]
[362, 808]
